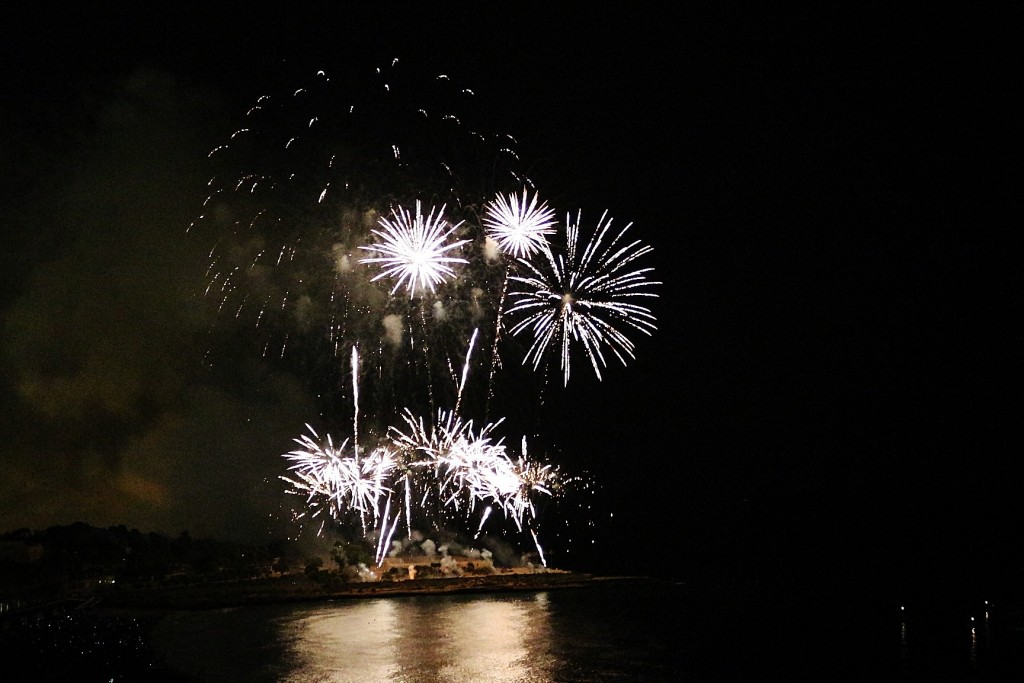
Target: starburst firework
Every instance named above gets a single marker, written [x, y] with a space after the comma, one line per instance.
[519, 226]
[584, 297]
[414, 250]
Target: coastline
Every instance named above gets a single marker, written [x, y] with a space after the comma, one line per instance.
[300, 588]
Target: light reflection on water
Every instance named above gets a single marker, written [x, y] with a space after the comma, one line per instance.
[650, 633]
[418, 640]
[356, 638]
[504, 638]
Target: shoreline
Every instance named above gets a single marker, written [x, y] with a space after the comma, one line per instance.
[300, 588]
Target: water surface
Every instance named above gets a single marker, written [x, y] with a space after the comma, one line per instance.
[658, 632]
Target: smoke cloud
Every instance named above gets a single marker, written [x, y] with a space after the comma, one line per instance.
[112, 368]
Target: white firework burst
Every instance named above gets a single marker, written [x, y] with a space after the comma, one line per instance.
[519, 225]
[414, 249]
[521, 480]
[584, 297]
[324, 472]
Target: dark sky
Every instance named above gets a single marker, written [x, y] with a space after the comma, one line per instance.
[826, 194]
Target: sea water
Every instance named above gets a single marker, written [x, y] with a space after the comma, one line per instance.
[650, 632]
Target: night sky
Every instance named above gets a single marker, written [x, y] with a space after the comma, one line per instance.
[828, 199]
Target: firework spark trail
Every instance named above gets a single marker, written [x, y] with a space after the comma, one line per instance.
[355, 400]
[352, 483]
[387, 532]
[442, 450]
[584, 297]
[465, 371]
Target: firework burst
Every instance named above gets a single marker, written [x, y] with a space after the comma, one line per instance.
[414, 249]
[584, 297]
[339, 477]
[473, 473]
[519, 226]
